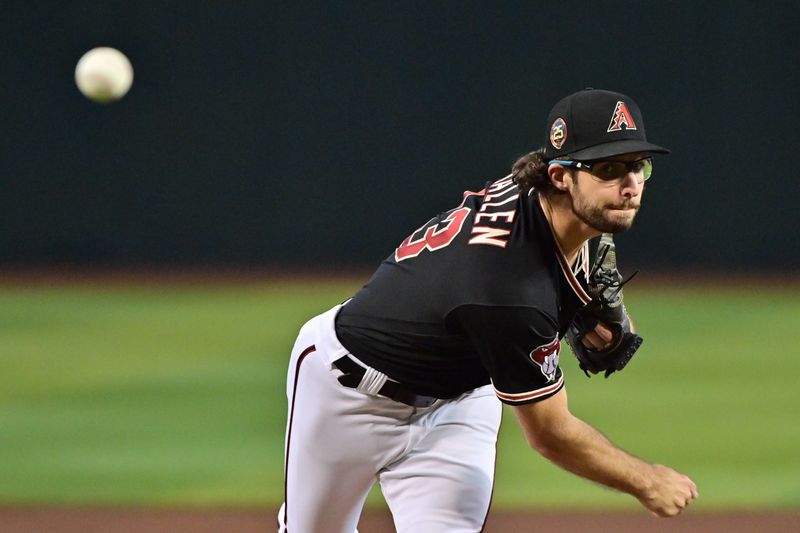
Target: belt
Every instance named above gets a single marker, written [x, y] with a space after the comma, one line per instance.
[353, 372]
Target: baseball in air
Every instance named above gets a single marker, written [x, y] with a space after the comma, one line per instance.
[104, 74]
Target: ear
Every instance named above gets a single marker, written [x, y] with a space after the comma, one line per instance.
[558, 176]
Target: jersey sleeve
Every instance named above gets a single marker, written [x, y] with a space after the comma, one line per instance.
[518, 346]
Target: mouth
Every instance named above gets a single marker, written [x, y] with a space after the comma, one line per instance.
[625, 206]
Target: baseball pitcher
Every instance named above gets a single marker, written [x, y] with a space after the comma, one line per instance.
[404, 382]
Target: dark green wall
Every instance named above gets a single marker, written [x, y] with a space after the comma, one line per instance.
[303, 133]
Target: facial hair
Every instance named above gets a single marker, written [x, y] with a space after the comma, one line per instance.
[598, 216]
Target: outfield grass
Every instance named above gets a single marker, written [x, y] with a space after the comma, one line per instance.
[175, 395]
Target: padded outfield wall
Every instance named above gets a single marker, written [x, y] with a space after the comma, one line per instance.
[297, 133]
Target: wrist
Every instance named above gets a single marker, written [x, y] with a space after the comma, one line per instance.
[643, 481]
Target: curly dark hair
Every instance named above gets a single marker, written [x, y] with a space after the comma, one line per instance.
[530, 171]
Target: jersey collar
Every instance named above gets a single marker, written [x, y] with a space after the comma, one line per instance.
[579, 269]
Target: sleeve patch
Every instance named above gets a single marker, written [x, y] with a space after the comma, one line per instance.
[546, 356]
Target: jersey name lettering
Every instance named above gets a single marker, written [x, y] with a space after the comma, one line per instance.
[495, 212]
[491, 226]
[490, 236]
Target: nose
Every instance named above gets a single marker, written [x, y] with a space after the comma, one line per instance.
[632, 184]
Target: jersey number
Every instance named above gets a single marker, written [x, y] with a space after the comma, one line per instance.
[435, 237]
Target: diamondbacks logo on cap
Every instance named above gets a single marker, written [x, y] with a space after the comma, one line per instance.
[546, 356]
[558, 133]
[621, 117]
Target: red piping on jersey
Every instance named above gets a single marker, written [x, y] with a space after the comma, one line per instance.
[531, 395]
[482, 192]
[467, 194]
[562, 261]
[307, 351]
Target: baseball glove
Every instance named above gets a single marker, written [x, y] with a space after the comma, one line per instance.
[605, 288]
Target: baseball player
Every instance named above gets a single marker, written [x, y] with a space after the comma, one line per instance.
[404, 382]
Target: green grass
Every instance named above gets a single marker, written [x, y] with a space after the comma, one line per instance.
[176, 395]
[152, 395]
[713, 393]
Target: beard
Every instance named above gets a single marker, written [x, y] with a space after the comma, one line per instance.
[606, 218]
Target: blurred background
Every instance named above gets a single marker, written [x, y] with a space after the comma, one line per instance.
[294, 133]
[276, 138]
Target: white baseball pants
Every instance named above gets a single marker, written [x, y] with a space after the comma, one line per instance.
[435, 465]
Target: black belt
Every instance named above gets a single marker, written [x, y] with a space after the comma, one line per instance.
[353, 372]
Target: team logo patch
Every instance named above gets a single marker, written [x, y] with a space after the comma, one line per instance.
[558, 133]
[546, 356]
[620, 118]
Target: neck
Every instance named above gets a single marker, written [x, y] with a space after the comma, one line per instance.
[570, 231]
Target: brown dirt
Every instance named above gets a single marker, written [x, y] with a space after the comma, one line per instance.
[30, 519]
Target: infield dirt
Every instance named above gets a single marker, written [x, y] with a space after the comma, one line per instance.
[24, 519]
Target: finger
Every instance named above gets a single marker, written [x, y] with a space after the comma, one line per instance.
[674, 510]
[593, 340]
[692, 486]
[604, 332]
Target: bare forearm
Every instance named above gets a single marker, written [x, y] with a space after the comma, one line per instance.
[582, 450]
[579, 448]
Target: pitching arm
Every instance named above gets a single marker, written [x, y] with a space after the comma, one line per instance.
[576, 446]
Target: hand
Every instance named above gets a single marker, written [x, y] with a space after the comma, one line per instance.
[598, 338]
[669, 493]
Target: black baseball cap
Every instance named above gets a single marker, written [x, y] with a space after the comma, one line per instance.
[594, 124]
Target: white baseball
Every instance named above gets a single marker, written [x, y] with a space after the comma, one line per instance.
[104, 74]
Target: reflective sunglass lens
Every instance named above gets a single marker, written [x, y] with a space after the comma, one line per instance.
[647, 169]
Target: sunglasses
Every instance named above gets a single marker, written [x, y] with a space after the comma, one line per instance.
[606, 170]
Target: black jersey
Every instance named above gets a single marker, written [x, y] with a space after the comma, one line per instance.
[481, 293]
